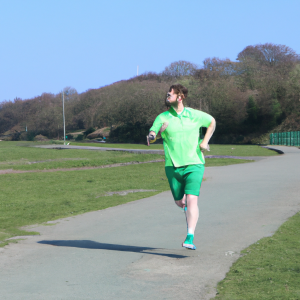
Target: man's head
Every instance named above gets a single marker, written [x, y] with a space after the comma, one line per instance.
[177, 93]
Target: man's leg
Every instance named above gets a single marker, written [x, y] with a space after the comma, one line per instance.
[192, 213]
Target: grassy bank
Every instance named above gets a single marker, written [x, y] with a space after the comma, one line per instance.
[268, 269]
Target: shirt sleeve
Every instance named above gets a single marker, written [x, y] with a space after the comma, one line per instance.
[203, 118]
[156, 124]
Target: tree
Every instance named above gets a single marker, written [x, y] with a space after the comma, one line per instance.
[269, 55]
[222, 66]
[179, 68]
[71, 94]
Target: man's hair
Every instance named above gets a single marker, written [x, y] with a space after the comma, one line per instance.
[179, 89]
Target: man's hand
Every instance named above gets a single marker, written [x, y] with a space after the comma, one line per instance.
[151, 138]
[204, 147]
[209, 132]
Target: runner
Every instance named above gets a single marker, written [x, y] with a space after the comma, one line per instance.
[184, 161]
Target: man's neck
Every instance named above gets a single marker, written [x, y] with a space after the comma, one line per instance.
[178, 107]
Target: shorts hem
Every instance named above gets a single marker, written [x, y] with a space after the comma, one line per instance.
[189, 192]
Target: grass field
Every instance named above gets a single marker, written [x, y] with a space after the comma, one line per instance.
[20, 156]
[30, 198]
[231, 150]
[268, 269]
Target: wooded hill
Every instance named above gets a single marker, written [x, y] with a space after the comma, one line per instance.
[249, 97]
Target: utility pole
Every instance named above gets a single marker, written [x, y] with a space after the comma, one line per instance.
[137, 71]
[63, 98]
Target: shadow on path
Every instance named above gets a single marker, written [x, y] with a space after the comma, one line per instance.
[86, 244]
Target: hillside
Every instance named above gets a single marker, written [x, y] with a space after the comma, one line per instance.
[248, 98]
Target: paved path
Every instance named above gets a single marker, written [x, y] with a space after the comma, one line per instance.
[133, 251]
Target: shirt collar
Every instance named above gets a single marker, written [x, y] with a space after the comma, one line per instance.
[174, 113]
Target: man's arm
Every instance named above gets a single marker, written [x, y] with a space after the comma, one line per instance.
[209, 132]
[151, 137]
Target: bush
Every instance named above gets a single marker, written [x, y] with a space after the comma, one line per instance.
[69, 137]
[79, 137]
[130, 133]
[88, 131]
[30, 136]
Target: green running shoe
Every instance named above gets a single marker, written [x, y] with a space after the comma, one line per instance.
[188, 243]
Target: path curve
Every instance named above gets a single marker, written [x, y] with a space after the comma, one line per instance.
[133, 251]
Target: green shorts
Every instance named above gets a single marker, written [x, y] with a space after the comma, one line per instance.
[185, 180]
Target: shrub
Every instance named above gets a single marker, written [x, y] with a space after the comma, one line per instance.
[88, 131]
[79, 137]
[130, 133]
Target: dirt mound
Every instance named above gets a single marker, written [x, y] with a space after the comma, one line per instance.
[291, 123]
[41, 138]
[12, 134]
[100, 133]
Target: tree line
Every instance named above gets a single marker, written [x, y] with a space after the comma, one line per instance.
[247, 97]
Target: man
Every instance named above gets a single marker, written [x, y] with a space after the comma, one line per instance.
[184, 160]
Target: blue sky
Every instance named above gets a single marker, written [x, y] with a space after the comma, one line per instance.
[47, 45]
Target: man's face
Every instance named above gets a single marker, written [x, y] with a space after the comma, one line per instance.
[171, 97]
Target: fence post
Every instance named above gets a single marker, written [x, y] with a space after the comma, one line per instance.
[285, 139]
[279, 138]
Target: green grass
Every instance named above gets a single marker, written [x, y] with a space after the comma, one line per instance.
[231, 150]
[19, 156]
[240, 150]
[14, 156]
[216, 162]
[33, 198]
[124, 146]
[269, 269]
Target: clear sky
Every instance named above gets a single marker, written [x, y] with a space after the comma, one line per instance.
[46, 45]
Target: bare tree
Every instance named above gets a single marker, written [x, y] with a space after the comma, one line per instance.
[180, 68]
[222, 66]
[269, 54]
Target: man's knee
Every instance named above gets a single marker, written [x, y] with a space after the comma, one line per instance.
[181, 203]
[192, 200]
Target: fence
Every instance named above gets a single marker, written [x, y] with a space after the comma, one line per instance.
[291, 138]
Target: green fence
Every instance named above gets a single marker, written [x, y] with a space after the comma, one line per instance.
[291, 138]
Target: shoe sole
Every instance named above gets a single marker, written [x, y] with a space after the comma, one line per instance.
[189, 246]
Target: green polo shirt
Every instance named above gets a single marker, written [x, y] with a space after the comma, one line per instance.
[181, 137]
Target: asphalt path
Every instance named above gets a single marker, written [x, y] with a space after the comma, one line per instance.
[133, 251]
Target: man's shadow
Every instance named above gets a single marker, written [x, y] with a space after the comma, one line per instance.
[87, 244]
